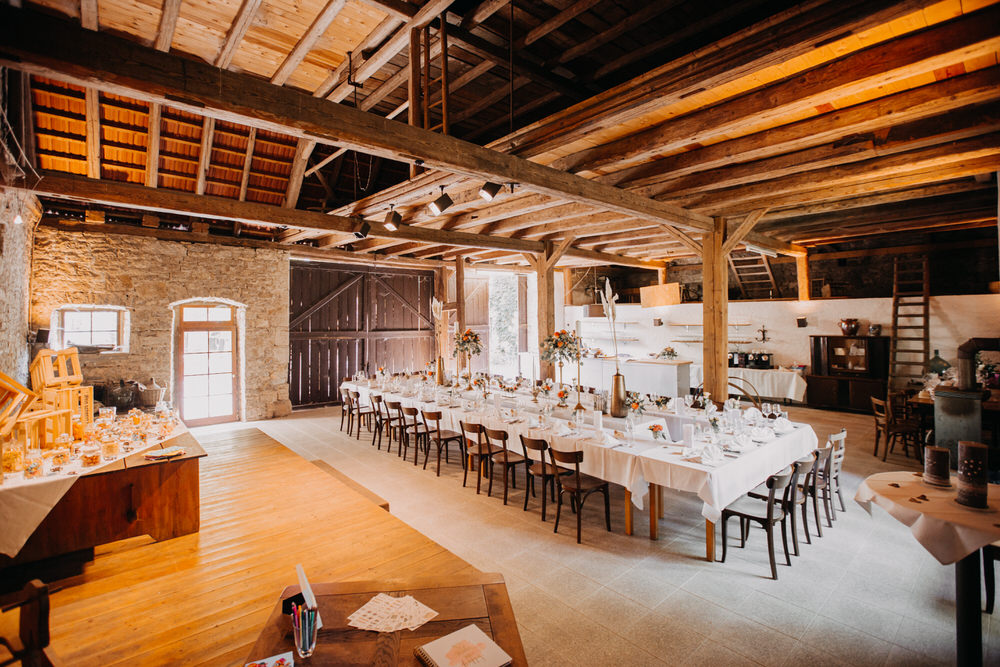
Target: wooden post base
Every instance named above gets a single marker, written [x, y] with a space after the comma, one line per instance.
[628, 513]
[654, 512]
[709, 541]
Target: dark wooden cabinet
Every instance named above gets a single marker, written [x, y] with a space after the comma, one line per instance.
[847, 371]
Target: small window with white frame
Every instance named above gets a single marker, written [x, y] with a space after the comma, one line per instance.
[93, 329]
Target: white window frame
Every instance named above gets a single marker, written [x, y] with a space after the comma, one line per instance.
[57, 331]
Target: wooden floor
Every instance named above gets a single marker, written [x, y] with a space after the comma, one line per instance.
[202, 598]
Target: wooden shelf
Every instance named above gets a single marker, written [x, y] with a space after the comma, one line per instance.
[621, 339]
[732, 341]
[700, 324]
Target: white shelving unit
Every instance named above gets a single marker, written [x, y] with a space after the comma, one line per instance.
[698, 338]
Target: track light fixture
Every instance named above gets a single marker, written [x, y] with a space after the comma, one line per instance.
[392, 220]
[489, 191]
[439, 205]
[760, 251]
[362, 230]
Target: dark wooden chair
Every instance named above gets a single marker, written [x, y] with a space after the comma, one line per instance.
[817, 487]
[991, 554]
[32, 646]
[413, 429]
[384, 421]
[360, 413]
[794, 499]
[477, 450]
[579, 487]
[766, 513]
[507, 459]
[345, 408]
[839, 443]
[397, 427]
[441, 438]
[890, 428]
[541, 468]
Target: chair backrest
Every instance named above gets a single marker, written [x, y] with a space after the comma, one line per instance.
[800, 471]
[897, 405]
[397, 407]
[881, 411]
[497, 437]
[570, 458]
[534, 444]
[410, 415]
[776, 485]
[838, 441]
[473, 435]
[434, 416]
[823, 461]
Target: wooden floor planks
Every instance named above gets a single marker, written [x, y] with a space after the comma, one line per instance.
[202, 598]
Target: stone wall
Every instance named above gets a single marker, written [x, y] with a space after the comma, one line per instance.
[147, 275]
[15, 263]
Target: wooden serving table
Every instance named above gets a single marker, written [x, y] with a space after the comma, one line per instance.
[126, 498]
[459, 599]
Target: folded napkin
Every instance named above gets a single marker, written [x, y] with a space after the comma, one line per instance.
[782, 425]
[562, 429]
[741, 443]
[711, 409]
[608, 439]
[751, 414]
[712, 455]
[762, 434]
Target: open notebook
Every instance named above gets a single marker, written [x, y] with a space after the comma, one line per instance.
[468, 647]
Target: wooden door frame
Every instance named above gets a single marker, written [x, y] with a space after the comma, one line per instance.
[179, 331]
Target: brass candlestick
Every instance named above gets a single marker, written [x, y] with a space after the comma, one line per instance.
[579, 404]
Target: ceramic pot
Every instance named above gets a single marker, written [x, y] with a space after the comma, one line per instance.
[618, 407]
[874, 329]
[849, 326]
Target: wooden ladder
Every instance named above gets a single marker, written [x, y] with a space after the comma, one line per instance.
[910, 343]
[754, 277]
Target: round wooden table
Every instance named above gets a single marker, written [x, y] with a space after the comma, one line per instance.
[952, 533]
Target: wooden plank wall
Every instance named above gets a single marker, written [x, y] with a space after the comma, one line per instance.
[365, 326]
[477, 317]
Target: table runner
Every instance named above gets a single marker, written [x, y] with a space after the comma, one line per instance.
[646, 461]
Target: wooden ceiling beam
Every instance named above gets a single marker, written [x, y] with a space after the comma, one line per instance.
[969, 36]
[89, 15]
[632, 21]
[482, 11]
[152, 178]
[205, 153]
[736, 237]
[379, 34]
[237, 31]
[307, 41]
[247, 163]
[300, 161]
[557, 21]
[92, 106]
[168, 23]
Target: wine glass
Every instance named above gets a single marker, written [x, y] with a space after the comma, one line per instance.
[765, 409]
[688, 401]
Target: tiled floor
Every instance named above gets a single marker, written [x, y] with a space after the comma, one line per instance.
[866, 593]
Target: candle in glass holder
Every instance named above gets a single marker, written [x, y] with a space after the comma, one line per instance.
[973, 474]
[937, 466]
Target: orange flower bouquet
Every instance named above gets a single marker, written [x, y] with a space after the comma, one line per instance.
[468, 342]
[561, 345]
[657, 431]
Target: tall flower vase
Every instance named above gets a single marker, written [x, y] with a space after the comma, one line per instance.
[440, 371]
[467, 363]
[560, 372]
[618, 406]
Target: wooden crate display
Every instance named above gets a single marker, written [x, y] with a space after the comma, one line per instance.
[78, 400]
[53, 369]
[42, 426]
[15, 398]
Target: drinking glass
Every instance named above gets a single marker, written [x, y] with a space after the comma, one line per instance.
[765, 409]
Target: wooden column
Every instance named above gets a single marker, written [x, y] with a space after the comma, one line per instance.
[426, 69]
[715, 310]
[802, 276]
[661, 276]
[460, 293]
[443, 36]
[441, 294]
[414, 88]
[546, 306]
[567, 286]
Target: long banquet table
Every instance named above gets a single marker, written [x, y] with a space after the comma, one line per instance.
[642, 465]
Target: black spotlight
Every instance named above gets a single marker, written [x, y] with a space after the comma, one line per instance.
[362, 231]
[489, 191]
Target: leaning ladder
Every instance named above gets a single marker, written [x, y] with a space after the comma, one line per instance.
[910, 343]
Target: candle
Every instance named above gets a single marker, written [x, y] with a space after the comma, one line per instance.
[973, 474]
[937, 466]
[689, 435]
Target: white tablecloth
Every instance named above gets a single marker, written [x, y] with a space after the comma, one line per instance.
[769, 383]
[949, 531]
[647, 461]
[24, 503]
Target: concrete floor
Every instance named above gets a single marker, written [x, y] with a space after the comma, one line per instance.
[866, 593]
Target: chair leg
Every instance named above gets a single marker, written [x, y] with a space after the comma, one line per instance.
[805, 521]
[725, 542]
[840, 497]
[988, 576]
[479, 473]
[770, 550]
[506, 472]
[819, 525]
[543, 495]
[490, 463]
[878, 435]
[342, 411]
[784, 540]
[555, 528]
[529, 485]
[439, 457]
[795, 530]
[465, 469]
[579, 518]
[828, 505]
[607, 507]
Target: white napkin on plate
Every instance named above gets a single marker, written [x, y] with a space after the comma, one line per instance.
[712, 455]
[751, 413]
[782, 425]
[741, 443]
[762, 434]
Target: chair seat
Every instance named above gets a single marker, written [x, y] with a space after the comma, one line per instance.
[512, 458]
[538, 469]
[364, 411]
[488, 450]
[448, 435]
[418, 429]
[587, 483]
[752, 508]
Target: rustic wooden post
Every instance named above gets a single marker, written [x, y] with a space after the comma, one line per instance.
[802, 276]
[460, 304]
[661, 276]
[441, 327]
[415, 109]
[546, 305]
[715, 309]
[567, 286]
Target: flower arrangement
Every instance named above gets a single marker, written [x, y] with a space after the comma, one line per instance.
[608, 300]
[667, 353]
[661, 402]
[560, 346]
[562, 395]
[546, 386]
[714, 423]
[657, 431]
[636, 403]
[468, 342]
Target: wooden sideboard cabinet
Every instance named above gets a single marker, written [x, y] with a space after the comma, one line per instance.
[847, 371]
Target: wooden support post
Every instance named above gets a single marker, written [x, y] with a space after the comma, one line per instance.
[440, 293]
[443, 37]
[715, 309]
[426, 70]
[567, 286]
[802, 276]
[248, 163]
[654, 512]
[153, 146]
[546, 306]
[414, 88]
[709, 541]
[460, 302]
[92, 104]
[661, 276]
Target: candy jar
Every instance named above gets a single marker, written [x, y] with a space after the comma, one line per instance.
[32, 462]
[90, 455]
[109, 447]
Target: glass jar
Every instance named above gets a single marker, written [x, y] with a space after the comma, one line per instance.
[90, 455]
[33, 463]
[109, 448]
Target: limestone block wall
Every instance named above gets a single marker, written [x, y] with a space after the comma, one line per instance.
[15, 264]
[146, 275]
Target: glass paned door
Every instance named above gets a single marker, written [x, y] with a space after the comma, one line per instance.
[207, 372]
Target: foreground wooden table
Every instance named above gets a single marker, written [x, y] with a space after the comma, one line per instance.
[459, 600]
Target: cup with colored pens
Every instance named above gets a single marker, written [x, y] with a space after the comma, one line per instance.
[304, 629]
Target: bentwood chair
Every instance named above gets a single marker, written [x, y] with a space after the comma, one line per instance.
[839, 443]
[441, 438]
[794, 499]
[817, 486]
[384, 421]
[478, 450]
[892, 428]
[415, 430]
[540, 468]
[767, 514]
[360, 413]
[579, 487]
[397, 426]
[345, 409]
[506, 458]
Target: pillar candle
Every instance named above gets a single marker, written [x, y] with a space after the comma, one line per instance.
[689, 435]
[973, 474]
[937, 466]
